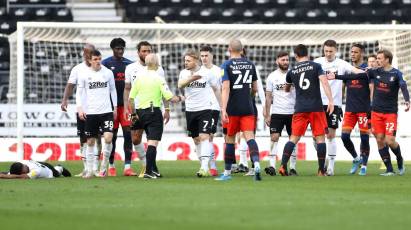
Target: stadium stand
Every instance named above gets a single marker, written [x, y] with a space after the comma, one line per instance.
[268, 11]
[53, 67]
[12, 11]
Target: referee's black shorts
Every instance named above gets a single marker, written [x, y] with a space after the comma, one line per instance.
[151, 119]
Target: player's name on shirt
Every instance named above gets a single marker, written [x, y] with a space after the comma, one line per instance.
[241, 73]
[303, 68]
[305, 78]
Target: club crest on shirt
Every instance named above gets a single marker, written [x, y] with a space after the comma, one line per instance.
[112, 68]
[392, 78]
[378, 77]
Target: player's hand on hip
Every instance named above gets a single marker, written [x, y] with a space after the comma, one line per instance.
[330, 108]
[63, 106]
[166, 116]
[407, 106]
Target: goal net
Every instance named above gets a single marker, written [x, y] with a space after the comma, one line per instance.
[42, 55]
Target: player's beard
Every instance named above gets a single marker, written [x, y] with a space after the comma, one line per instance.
[283, 67]
[142, 59]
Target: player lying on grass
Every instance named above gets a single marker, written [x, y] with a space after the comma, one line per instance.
[29, 169]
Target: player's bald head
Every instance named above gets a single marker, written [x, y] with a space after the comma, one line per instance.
[151, 61]
[236, 46]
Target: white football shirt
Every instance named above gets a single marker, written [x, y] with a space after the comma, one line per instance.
[340, 67]
[37, 170]
[283, 102]
[199, 94]
[98, 86]
[133, 70]
[215, 72]
[77, 71]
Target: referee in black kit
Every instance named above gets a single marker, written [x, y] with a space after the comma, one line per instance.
[149, 89]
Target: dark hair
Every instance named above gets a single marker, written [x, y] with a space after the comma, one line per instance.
[282, 54]
[373, 56]
[143, 43]
[206, 48]
[358, 45]
[16, 168]
[301, 50]
[117, 42]
[330, 43]
[95, 53]
[387, 54]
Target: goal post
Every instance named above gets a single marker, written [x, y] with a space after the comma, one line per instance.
[43, 53]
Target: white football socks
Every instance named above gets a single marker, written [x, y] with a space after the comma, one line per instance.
[107, 147]
[96, 158]
[242, 149]
[83, 151]
[198, 151]
[205, 154]
[90, 158]
[273, 154]
[331, 152]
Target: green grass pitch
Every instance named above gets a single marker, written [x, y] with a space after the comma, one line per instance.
[182, 201]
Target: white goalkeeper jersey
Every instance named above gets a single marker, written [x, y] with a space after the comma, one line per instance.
[199, 94]
[135, 69]
[283, 102]
[37, 170]
[77, 71]
[340, 67]
[215, 72]
[98, 86]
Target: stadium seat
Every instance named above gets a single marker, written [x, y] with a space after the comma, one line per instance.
[21, 14]
[7, 27]
[62, 15]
